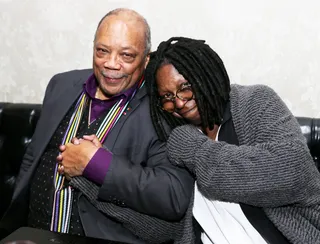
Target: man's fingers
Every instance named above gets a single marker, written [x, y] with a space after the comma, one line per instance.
[94, 139]
[59, 158]
[75, 141]
[61, 169]
[62, 148]
[89, 137]
[62, 172]
[96, 142]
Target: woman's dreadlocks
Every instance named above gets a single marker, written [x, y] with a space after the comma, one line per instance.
[202, 68]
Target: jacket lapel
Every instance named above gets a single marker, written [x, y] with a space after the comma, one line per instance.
[135, 102]
[51, 118]
[63, 103]
[56, 112]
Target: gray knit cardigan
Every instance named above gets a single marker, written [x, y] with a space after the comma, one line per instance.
[271, 168]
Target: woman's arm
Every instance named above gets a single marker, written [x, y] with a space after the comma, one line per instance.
[270, 170]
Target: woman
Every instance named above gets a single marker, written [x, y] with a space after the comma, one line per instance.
[256, 181]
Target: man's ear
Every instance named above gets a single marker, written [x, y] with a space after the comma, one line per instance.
[147, 60]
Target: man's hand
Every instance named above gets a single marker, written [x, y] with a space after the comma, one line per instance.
[75, 156]
[93, 138]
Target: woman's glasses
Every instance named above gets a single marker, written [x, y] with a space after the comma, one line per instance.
[168, 101]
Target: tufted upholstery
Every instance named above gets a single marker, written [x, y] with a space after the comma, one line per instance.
[18, 121]
[310, 128]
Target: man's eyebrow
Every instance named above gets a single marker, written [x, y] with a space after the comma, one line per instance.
[129, 48]
[123, 47]
[101, 44]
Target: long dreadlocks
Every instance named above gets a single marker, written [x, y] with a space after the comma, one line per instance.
[202, 68]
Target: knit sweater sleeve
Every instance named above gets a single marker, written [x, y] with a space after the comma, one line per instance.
[270, 168]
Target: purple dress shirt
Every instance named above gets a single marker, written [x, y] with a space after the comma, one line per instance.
[98, 166]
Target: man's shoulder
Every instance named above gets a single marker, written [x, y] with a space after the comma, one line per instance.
[74, 74]
[67, 79]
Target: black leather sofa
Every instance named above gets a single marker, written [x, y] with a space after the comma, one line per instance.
[17, 124]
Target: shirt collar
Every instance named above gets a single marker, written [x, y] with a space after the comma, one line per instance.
[91, 85]
[227, 113]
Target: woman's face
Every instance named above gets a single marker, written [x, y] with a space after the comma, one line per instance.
[176, 95]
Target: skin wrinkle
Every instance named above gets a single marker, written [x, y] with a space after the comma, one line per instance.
[119, 53]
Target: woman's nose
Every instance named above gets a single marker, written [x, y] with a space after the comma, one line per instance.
[179, 103]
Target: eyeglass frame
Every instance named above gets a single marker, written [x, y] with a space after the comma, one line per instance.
[173, 97]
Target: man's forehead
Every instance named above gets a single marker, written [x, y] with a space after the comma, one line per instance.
[121, 31]
[130, 19]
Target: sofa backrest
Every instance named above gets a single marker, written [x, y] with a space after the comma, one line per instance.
[310, 128]
[17, 124]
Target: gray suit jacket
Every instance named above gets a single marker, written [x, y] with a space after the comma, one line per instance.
[140, 175]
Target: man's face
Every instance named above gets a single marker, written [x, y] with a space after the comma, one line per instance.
[119, 58]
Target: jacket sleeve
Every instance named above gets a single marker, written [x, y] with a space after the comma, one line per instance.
[154, 187]
[271, 167]
[26, 162]
[28, 157]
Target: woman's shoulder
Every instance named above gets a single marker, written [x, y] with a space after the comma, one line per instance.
[248, 91]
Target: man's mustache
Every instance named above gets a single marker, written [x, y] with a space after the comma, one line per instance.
[113, 76]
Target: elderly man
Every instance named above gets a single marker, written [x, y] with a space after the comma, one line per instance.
[115, 180]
